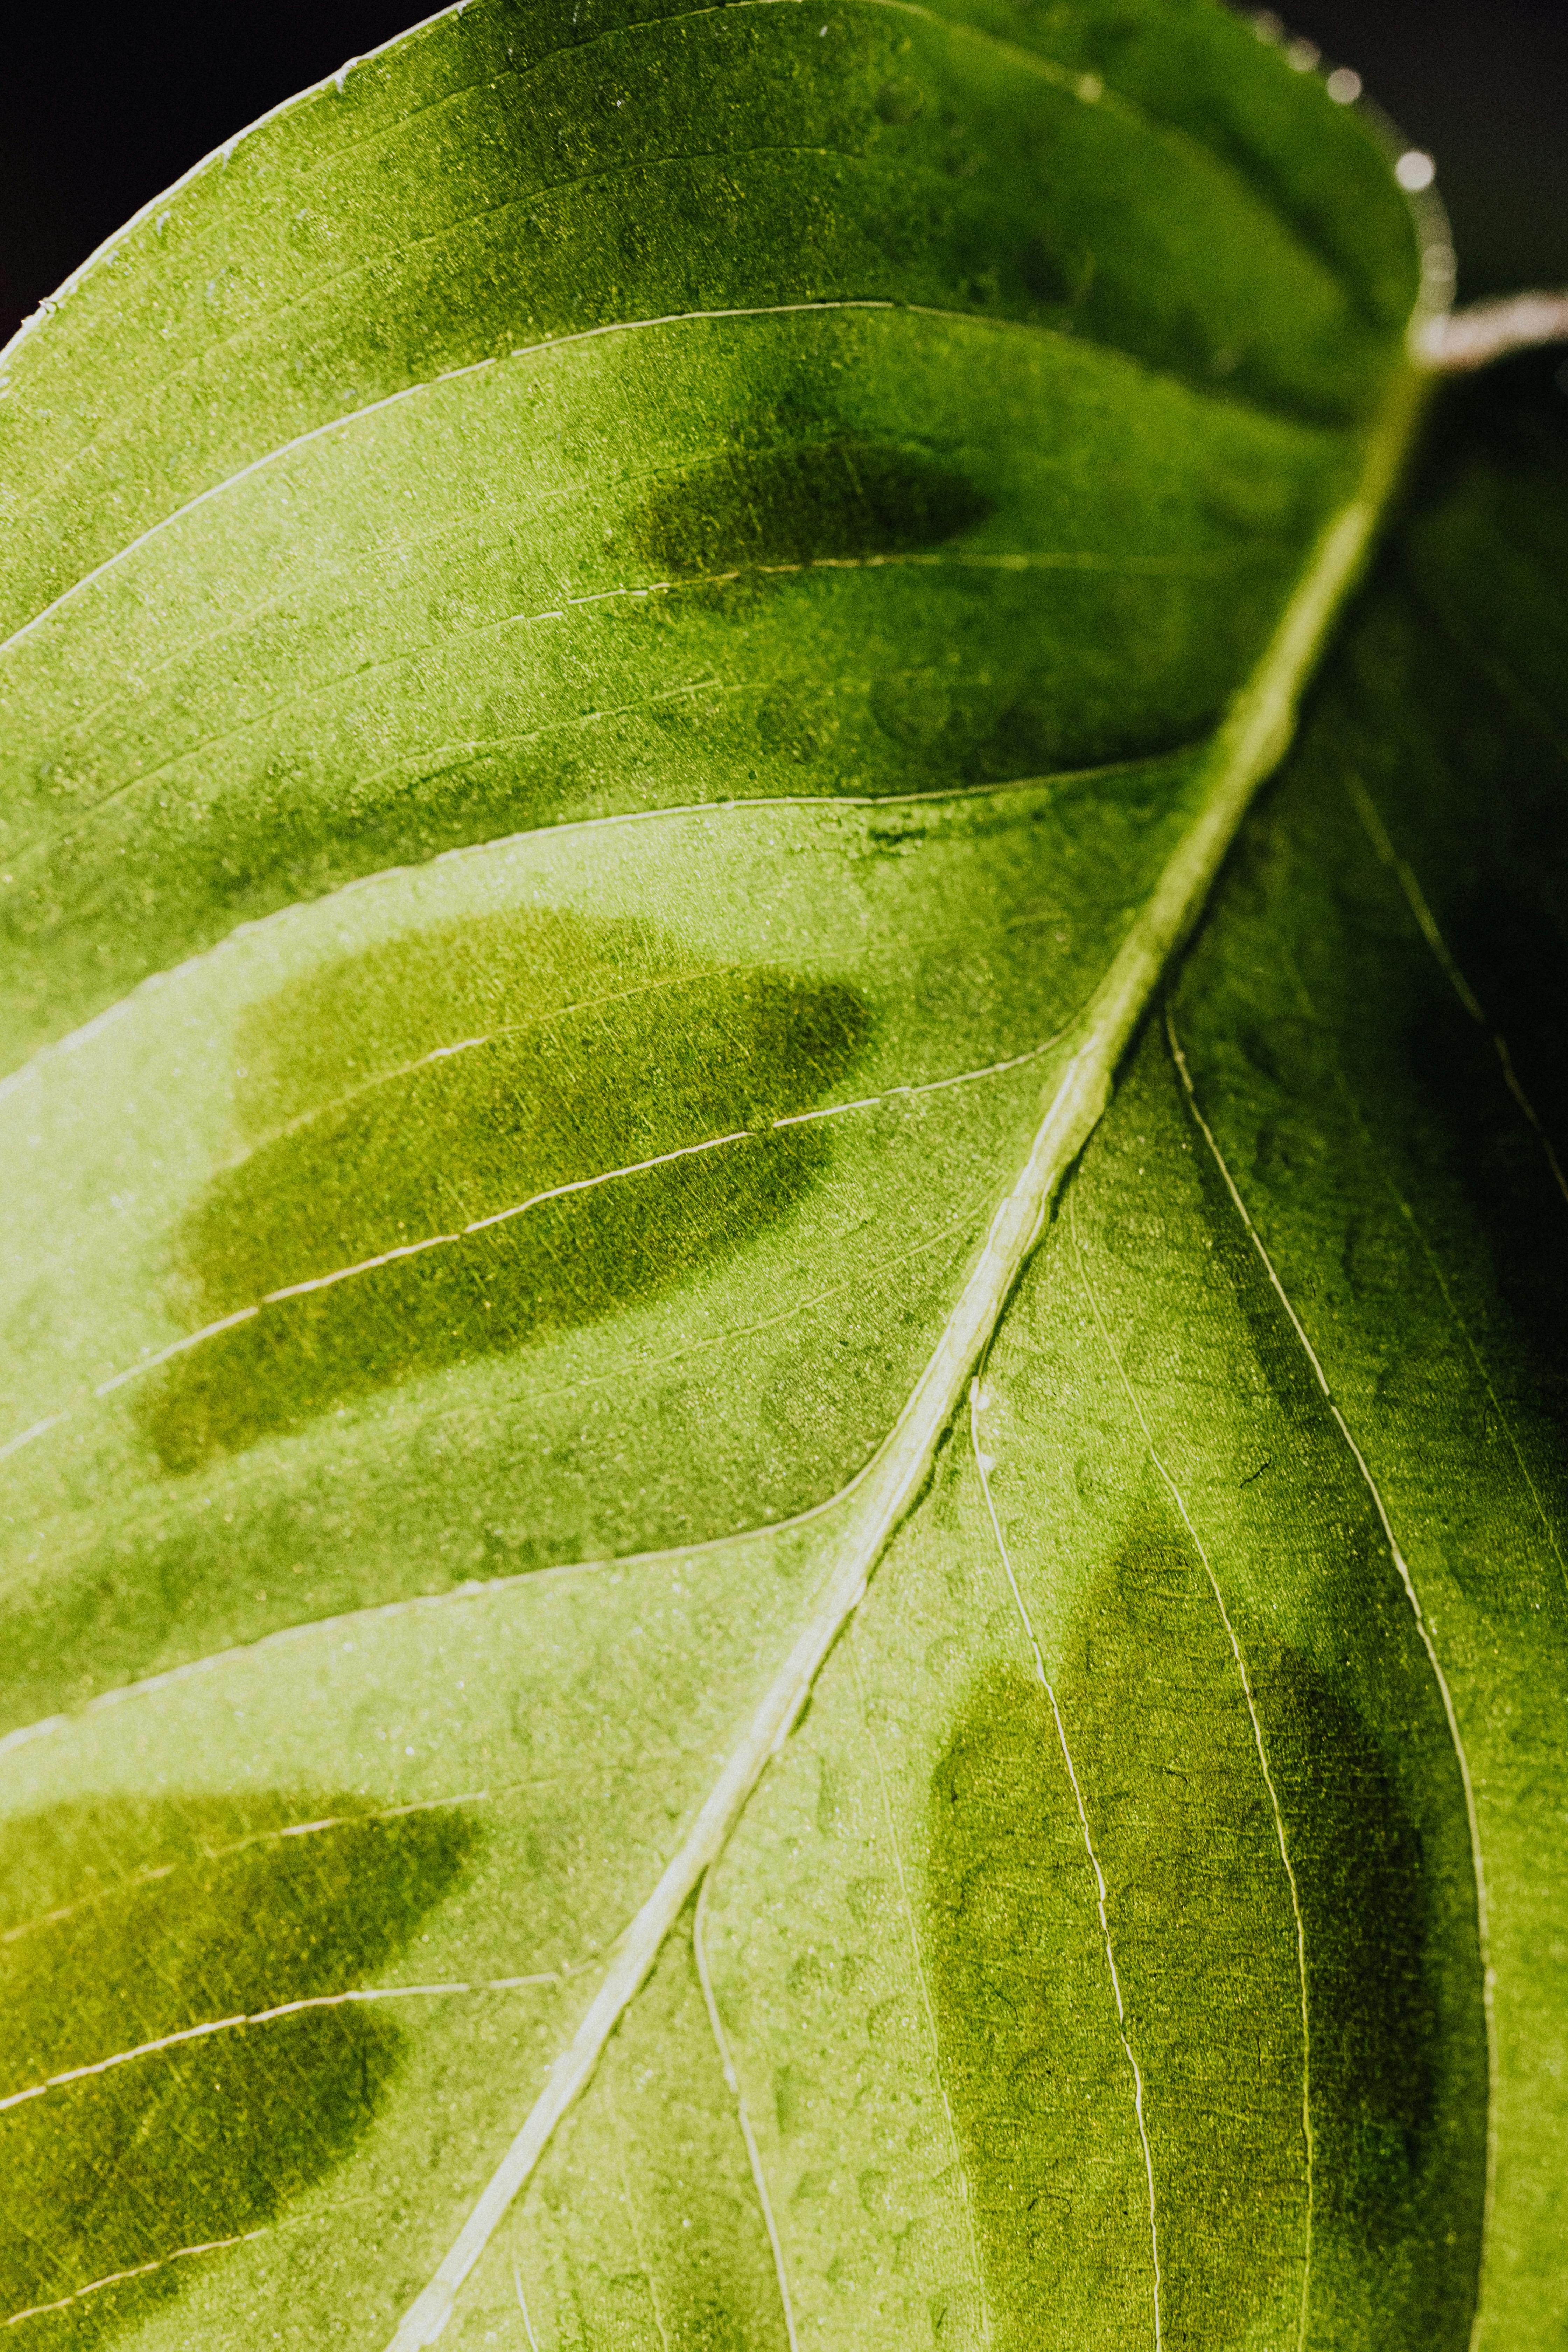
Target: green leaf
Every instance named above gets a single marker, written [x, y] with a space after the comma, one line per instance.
[633, 644]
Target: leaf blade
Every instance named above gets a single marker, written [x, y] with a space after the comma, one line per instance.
[793, 524]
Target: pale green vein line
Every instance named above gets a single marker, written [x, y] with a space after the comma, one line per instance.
[1087, 86]
[173, 1348]
[455, 1045]
[334, 156]
[476, 1591]
[1090, 87]
[422, 769]
[113, 1890]
[141, 2270]
[533, 836]
[487, 1589]
[522, 2306]
[26, 1436]
[1478, 1858]
[436, 650]
[331, 161]
[1243, 1675]
[1435, 1267]
[343, 425]
[1075, 561]
[732, 2081]
[206, 2030]
[158, 1356]
[184, 2253]
[1426, 924]
[429, 1242]
[984, 1463]
[1247, 747]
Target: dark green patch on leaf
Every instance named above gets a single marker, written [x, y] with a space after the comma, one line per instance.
[1027, 2027]
[460, 1141]
[1053, 2090]
[130, 1923]
[800, 500]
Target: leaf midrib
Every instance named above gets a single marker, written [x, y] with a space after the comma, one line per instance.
[1246, 750]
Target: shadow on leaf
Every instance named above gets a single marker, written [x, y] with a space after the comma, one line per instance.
[1509, 1161]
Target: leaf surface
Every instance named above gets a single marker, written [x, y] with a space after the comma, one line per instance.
[633, 645]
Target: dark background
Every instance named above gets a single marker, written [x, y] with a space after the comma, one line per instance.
[98, 112]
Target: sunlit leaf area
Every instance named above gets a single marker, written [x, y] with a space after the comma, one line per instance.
[782, 839]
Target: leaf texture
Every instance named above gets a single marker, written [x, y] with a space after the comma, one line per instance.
[633, 643]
